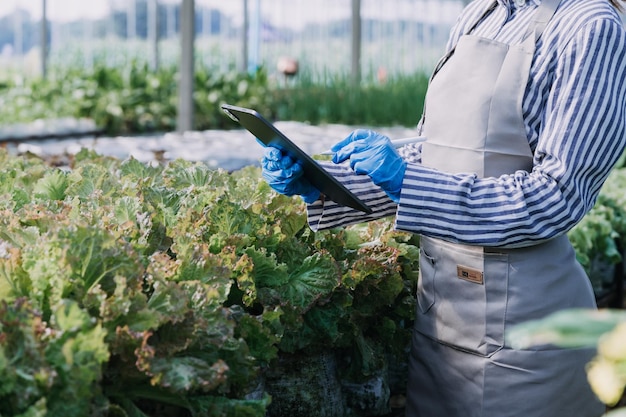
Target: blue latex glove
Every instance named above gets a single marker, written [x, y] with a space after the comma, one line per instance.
[373, 154]
[284, 175]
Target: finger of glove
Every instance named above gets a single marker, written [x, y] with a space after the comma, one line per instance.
[355, 135]
[391, 179]
[371, 140]
[387, 173]
[275, 172]
[347, 151]
[379, 158]
[274, 160]
[281, 183]
[365, 162]
[273, 154]
[374, 147]
[358, 149]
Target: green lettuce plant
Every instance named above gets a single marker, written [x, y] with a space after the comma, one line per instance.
[138, 290]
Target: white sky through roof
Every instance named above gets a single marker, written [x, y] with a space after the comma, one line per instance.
[299, 13]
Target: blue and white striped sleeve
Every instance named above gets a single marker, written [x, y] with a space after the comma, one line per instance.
[328, 214]
[583, 133]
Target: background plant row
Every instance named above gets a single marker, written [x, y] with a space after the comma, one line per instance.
[135, 99]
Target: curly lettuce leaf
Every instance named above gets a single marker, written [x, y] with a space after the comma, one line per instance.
[259, 337]
[49, 365]
[52, 186]
[316, 277]
[182, 374]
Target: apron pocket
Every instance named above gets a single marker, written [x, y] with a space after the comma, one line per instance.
[543, 376]
[426, 282]
[462, 296]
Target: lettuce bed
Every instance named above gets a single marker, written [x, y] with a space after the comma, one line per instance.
[131, 290]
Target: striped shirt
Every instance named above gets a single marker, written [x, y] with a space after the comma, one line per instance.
[574, 112]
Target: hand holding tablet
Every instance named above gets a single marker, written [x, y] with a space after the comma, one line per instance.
[269, 135]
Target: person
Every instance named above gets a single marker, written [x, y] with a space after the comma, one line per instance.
[525, 115]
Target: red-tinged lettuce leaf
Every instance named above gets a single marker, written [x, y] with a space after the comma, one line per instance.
[125, 345]
[245, 291]
[164, 204]
[375, 264]
[268, 272]
[49, 274]
[130, 222]
[15, 232]
[169, 301]
[27, 376]
[259, 276]
[228, 224]
[127, 305]
[14, 281]
[53, 363]
[196, 355]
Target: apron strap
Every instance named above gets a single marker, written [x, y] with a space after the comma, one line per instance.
[447, 56]
[537, 25]
[543, 14]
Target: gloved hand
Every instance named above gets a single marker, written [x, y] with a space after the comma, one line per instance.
[373, 154]
[284, 175]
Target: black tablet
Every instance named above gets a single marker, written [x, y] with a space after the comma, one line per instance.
[267, 133]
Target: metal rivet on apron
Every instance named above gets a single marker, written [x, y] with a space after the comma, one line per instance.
[520, 3]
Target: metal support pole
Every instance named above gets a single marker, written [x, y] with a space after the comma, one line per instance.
[44, 39]
[131, 20]
[185, 107]
[18, 43]
[244, 37]
[153, 33]
[111, 33]
[88, 35]
[356, 41]
[255, 35]
[170, 21]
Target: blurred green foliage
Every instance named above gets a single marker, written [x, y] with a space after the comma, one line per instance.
[134, 99]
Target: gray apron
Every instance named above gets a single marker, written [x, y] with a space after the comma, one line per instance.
[469, 297]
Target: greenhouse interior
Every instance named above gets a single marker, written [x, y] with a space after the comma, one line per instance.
[160, 256]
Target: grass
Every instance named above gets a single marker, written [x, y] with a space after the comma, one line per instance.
[398, 100]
